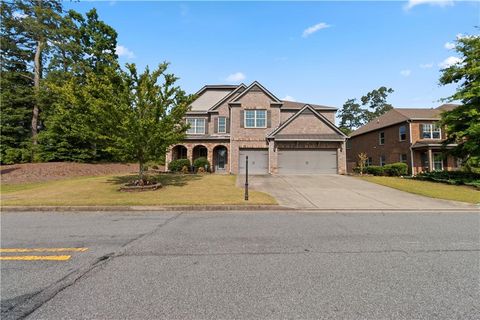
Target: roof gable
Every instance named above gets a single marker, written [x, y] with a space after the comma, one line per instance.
[307, 110]
[256, 86]
[209, 96]
[229, 96]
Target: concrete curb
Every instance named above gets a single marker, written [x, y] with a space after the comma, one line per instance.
[224, 208]
[147, 208]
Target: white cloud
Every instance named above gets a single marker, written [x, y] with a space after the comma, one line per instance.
[406, 72]
[426, 65]
[315, 28]
[289, 98]
[440, 3]
[124, 52]
[448, 62]
[449, 45]
[236, 77]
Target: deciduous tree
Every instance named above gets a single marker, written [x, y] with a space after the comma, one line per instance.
[462, 124]
[151, 115]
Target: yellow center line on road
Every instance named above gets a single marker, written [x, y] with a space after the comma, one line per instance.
[33, 258]
[19, 250]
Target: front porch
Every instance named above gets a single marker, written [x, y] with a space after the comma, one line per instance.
[432, 157]
[217, 154]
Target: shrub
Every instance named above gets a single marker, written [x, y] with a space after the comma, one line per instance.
[201, 163]
[185, 169]
[451, 177]
[396, 169]
[177, 165]
[375, 170]
[201, 170]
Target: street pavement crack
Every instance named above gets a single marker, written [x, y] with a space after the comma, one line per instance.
[32, 303]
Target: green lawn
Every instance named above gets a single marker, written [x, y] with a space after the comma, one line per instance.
[429, 189]
[178, 189]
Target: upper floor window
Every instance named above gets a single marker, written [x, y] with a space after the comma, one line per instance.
[430, 131]
[349, 144]
[197, 125]
[222, 125]
[255, 118]
[402, 133]
[381, 138]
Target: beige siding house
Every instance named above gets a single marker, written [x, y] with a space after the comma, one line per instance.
[229, 123]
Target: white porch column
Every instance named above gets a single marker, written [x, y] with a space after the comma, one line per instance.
[430, 160]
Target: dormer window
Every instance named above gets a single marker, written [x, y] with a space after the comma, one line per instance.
[197, 125]
[255, 118]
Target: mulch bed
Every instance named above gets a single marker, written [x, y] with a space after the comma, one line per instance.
[39, 172]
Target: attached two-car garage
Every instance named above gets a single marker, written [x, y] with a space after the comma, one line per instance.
[290, 161]
[313, 161]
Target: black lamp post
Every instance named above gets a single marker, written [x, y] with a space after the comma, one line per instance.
[246, 178]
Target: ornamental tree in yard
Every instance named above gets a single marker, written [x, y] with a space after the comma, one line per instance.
[462, 124]
[151, 115]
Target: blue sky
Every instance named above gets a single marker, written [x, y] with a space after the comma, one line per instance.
[316, 52]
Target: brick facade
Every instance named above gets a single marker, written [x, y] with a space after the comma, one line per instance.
[393, 147]
[238, 137]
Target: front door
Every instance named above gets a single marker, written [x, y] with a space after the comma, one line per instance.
[221, 159]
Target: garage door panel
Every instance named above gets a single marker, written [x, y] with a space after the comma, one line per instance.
[257, 161]
[307, 161]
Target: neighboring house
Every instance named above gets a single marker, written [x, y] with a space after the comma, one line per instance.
[228, 123]
[412, 136]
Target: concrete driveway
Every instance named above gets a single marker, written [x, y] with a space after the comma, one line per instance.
[339, 192]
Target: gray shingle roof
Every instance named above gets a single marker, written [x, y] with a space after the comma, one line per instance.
[299, 105]
[398, 115]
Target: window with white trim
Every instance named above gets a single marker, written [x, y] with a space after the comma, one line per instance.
[381, 138]
[402, 133]
[437, 161]
[222, 125]
[197, 125]
[431, 131]
[255, 118]
[382, 161]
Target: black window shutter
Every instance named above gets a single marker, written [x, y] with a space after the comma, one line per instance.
[215, 124]
[227, 125]
[269, 118]
[242, 119]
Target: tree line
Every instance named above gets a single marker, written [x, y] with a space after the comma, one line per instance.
[65, 97]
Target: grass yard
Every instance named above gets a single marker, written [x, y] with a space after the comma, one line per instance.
[103, 190]
[429, 189]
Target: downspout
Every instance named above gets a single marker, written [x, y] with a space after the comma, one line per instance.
[411, 150]
[230, 142]
[269, 167]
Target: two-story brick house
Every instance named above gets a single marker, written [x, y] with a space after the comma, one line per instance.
[412, 136]
[230, 122]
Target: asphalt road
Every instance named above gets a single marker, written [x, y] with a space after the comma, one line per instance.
[242, 265]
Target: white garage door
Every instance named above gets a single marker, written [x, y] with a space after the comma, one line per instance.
[307, 161]
[257, 161]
